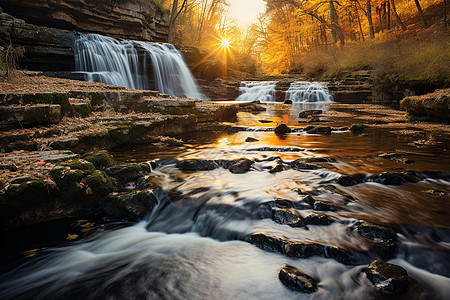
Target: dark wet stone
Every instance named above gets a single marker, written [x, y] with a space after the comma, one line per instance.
[385, 249]
[251, 140]
[282, 203]
[287, 217]
[146, 167]
[287, 101]
[296, 280]
[318, 219]
[303, 250]
[282, 129]
[396, 157]
[318, 130]
[322, 206]
[389, 178]
[387, 278]
[131, 206]
[346, 180]
[192, 165]
[277, 168]
[357, 128]
[307, 113]
[374, 231]
[100, 159]
[268, 242]
[301, 164]
[125, 174]
[318, 159]
[240, 166]
[309, 199]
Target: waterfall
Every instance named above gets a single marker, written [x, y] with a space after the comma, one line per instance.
[172, 75]
[263, 91]
[105, 59]
[308, 92]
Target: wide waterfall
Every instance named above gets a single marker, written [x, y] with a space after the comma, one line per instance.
[308, 92]
[105, 59]
[263, 91]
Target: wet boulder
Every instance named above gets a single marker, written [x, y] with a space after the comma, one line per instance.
[101, 159]
[322, 206]
[308, 113]
[127, 175]
[250, 140]
[282, 129]
[318, 219]
[346, 180]
[287, 217]
[268, 242]
[373, 231]
[303, 250]
[302, 164]
[344, 256]
[332, 189]
[132, 206]
[296, 280]
[318, 130]
[193, 165]
[387, 278]
[309, 200]
[241, 166]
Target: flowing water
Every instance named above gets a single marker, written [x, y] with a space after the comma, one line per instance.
[193, 245]
[308, 92]
[263, 91]
[105, 59]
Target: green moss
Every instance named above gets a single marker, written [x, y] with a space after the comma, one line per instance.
[81, 165]
[101, 159]
[100, 183]
[26, 192]
[125, 173]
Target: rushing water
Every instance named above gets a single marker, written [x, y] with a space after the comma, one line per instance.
[263, 91]
[105, 59]
[308, 92]
[193, 244]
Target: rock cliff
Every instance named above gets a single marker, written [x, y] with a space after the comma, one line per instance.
[127, 19]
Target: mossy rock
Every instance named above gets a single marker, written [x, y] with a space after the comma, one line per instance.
[131, 206]
[80, 164]
[357, 128]
[125, 173]
[25, 193]
[101, 159]
[434, 105]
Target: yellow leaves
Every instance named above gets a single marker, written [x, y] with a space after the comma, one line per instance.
[72, 237]
[31, 253]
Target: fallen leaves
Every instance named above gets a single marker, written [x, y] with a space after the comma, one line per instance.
[72, 237]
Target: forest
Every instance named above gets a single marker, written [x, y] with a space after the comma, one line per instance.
[401, 39]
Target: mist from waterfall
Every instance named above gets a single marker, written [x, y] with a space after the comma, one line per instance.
[308, 92]
[263, 91]
[108, 60]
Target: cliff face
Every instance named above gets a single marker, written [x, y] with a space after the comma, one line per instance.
[126, 19]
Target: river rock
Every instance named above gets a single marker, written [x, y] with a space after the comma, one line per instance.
[287, 217]
[437, 193]
[282, 130]
[309, 199]
[344, 256]
[307, 113]
[374, 231]
[193, 165]
[317, 219]
[331, 188]
[346, 180]
[100, 159]
[318, 129]
[127, 175]
[387, 278]
[287, 101]
[250, 140]
[396, 157]
[322, 206]
[296, 280]
[303, 250]
[301, 164]
[268, 242]
[237, 166]
[130, 205]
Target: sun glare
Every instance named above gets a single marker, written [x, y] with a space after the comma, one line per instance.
[224, 43]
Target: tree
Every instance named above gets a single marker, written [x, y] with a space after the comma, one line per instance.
[425, 23]
[397, 17]
[369, 19]
[173, 16]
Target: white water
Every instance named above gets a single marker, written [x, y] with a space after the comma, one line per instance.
[308, 92]
[263, 91]
[105, 59]
[172, 75]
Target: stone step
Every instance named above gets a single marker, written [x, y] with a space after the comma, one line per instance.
[30, 114]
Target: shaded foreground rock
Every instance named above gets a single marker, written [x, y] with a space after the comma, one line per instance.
[295, 279]
[318, 219]
[387, 278]
[374, 231]
[287, 217]
[302, 164]
[282, 130]
[192, 165]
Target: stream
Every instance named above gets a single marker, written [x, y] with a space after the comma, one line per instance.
[194, 244]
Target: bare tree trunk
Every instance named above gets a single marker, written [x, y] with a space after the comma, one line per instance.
[425, 23]
[359, 23]
[336, 29]
[369, 19]
[445, 14]
[173, 16]
[389, 15]
[397, 17]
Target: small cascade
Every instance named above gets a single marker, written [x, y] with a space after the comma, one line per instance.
[263, 91]
[308, 92]
[171, 74]
[105, 59]
[124, 63]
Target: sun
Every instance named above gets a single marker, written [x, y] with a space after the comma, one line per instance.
[224, 43]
